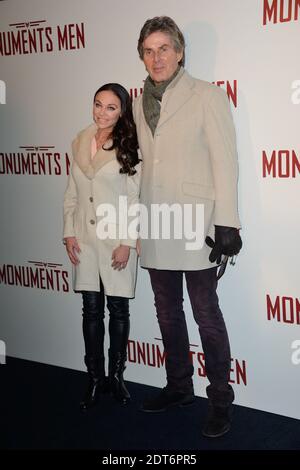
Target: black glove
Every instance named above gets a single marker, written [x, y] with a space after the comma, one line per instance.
[227, 242]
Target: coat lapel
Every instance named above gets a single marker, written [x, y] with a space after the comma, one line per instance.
[184, 91]
[82, 153]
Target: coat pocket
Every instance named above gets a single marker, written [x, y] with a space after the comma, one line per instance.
[198, 190]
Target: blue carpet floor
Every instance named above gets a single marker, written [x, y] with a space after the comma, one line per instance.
[39, 410]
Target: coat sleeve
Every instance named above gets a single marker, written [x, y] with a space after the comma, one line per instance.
[133, 192]
[70, 203]
[70, 199]
[220, 133]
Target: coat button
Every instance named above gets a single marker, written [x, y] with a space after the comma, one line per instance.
[91, 199]
[92, 222]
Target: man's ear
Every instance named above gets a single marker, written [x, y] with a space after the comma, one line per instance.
[179, 56]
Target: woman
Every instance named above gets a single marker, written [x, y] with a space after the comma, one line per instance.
[105, 167]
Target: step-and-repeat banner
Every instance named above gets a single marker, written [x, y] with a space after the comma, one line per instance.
[54, 54]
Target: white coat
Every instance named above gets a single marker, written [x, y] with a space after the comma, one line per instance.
[93, 182]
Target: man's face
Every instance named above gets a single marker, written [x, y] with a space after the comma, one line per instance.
[160, 57]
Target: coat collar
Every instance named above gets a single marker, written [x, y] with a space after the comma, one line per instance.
[81, 147]
[183, 87]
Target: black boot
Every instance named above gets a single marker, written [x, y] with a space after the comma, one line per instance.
[96, 383]
[219, 410]
[116, 380]
[93, 333]
[218, 422]
[167, 398]
[118, 332]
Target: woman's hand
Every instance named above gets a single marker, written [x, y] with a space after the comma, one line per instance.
[120, 257]
[72, 248]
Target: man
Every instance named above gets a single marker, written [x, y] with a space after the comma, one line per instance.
[187, 140]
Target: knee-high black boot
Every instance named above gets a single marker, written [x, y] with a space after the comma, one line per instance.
[93, 333]
[118, 331]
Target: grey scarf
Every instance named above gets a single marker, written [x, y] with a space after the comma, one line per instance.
[152, 96]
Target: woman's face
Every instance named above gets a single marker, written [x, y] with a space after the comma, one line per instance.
[106, 110]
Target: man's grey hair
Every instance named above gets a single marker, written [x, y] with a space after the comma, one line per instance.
[164, 24]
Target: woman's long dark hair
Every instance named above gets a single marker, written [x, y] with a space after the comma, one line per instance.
[124, 133]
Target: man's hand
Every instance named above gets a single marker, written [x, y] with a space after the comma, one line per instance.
[227, 242]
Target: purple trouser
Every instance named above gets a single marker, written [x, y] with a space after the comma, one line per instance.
[168, 293]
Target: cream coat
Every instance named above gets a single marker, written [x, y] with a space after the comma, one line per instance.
[93, 182]
[192, 158]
